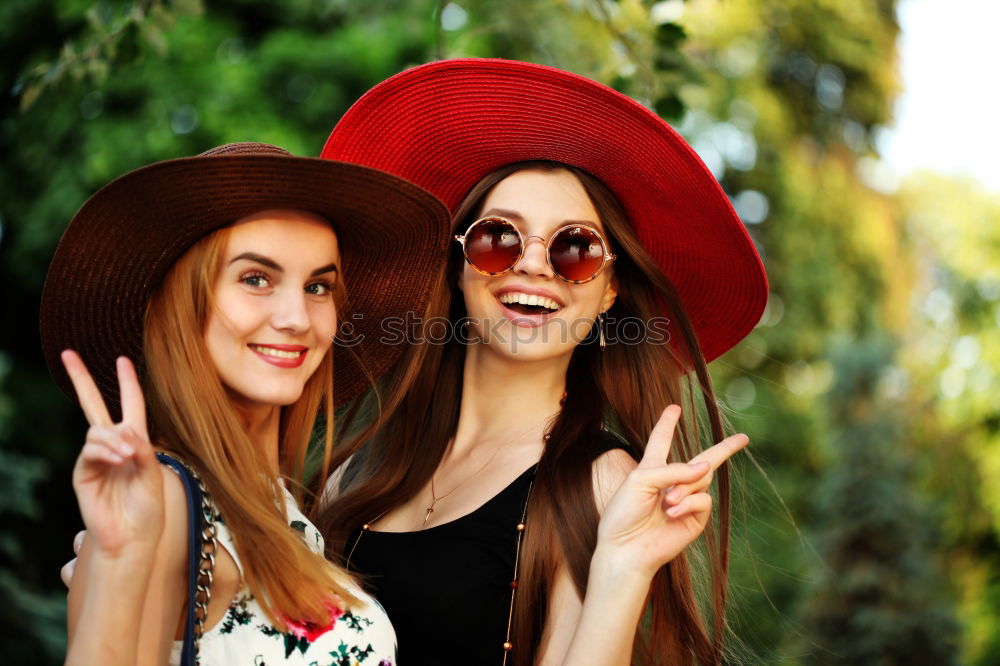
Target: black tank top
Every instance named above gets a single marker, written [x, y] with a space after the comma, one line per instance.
[447, 588]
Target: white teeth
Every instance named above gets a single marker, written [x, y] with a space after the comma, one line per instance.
[277, 353]
[528, 299]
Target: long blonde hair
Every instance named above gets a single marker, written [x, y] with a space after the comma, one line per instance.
[191, 416]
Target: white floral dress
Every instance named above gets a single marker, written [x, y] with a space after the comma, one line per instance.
[359, 636]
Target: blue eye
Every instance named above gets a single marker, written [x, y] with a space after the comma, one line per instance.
[319, 288]
[256, 280]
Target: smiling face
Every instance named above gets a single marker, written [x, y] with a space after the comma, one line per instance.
[273, 316]
[529, 312]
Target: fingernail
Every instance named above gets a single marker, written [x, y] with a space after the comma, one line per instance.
[699, 465]
[674, 497]
[673, 511]
[126, 449]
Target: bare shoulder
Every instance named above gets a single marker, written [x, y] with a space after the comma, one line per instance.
[172, 550]
[609, 470]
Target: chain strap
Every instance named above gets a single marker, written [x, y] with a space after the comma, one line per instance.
[206, 565]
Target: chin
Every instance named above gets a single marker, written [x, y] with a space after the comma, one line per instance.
[275, 398]
[286, 399]
[531, 352]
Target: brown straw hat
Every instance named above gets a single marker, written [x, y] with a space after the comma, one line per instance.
[392, 235]
[447, 124]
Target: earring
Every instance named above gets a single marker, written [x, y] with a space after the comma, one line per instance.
[600, 331]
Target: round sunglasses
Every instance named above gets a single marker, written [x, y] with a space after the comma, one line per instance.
[576, 253]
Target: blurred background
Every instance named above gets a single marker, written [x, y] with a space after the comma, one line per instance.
[868, 526]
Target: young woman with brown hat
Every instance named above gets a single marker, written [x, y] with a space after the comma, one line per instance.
[597, 267]
[223, 277]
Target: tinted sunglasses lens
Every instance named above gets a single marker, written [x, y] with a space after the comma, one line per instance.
[492, 246]
[577, 253]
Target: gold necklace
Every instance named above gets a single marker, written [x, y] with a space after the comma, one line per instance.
[434, 496]
[435, 499]
[515, 581]
[521, 527]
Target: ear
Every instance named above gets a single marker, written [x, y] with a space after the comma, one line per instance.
[610, 294]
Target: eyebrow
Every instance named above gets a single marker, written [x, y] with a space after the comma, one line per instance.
[275, 266]
[514, 215]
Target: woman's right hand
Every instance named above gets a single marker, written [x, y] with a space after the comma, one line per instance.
[117, 479]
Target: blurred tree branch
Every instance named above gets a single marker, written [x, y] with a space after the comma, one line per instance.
[643, 64]
[150, 20]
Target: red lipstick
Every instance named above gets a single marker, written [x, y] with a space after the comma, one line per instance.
[291, 356]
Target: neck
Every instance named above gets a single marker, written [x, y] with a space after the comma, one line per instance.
[501, 397]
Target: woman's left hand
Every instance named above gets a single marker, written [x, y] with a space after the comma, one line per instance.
[661, 507]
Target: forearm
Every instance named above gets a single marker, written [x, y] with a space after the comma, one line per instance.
[615, 600]
[105, 615]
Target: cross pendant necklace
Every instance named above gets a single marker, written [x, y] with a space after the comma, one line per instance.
[434, 496]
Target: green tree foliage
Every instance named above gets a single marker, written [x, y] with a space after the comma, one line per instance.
[950, 361]
[878, 598]
[791, 99]
[868, 375]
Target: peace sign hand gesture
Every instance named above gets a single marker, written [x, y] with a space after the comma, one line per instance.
[117, 479]
[662, 507]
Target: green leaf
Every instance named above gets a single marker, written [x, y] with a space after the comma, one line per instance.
[669, 106]
[621, 84]
[95, 22]
[189, 7]
[669, 35]
[292, 642]
[161, 18]
[30, 94]
[154, 37]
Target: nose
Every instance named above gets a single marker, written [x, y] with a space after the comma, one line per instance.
[533, 261]
[291, 311]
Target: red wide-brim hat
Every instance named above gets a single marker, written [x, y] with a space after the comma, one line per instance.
[447, 124]
[393, 239]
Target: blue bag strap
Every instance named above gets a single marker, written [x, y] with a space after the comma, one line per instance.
[192, 489]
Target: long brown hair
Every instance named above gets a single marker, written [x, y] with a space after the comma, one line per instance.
[191, 416]
[624, 388]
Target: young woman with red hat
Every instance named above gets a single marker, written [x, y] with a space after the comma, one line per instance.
[597, 267]
[223, 277]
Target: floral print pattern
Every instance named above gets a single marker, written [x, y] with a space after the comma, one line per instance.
[359, 636]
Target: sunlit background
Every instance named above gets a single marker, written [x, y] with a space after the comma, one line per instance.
[860, 158]
[946, 117]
